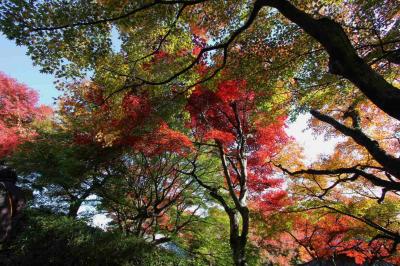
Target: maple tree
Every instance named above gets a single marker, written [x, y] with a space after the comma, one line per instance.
[147, 195]
[329, 237]
[368, 152]
[243, 143]
[150, 199]
[84, 146]
[312, 230]
[323, 234]
[18, 111]
[383, 159]
[130, 120]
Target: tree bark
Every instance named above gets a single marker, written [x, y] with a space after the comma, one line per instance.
[236, 240]
[74, 208]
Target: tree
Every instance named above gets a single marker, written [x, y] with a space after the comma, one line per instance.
[368, 152]
[12, 202]
[18, 111]
[75, 242]
[150, 199]
[63, 172]
[311, 229]
[227, 121]
[208, 240]
[127, 156]
[385, 161]
[62, 163]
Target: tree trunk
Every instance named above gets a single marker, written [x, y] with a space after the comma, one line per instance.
[239, 254]
[74, 208]
[238, 241]
[11, 203]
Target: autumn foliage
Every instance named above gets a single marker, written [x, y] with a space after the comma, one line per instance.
[333, 234]
[18, 111]
[179, 131]
[230, 117]
[130, 122]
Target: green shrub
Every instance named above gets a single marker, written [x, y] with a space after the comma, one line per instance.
[48, 239]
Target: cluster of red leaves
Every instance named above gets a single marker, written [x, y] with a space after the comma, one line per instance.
[334, 235]
[215, 116]
[220, 136]
[198, 31]
[85, 112]
[158, 57]
[17, 111]
[162, 139]
[94, 95]
[98, 122]
[212, 113]
[266, 203]
[137, 110]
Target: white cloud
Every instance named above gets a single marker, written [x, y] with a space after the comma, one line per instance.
[314, 146]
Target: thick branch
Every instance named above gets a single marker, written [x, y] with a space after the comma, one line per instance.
[228, 177]
[390, 163]
[344, 60]
[212, 190]
[394, 186]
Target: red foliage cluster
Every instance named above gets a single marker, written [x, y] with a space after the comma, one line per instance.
[159, 139]
[213, 113]
[157, 58]
[94, 95]
[335, 234]
[162, 139]
[160, 55]
[226, 116]
[121, 125]
[17, 111]
[136, 109]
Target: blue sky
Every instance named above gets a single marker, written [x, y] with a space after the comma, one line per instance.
[15, 63]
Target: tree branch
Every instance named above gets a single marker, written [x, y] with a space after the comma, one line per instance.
[116, 18]
[395, 186]
[344, 60]
[390, 163]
